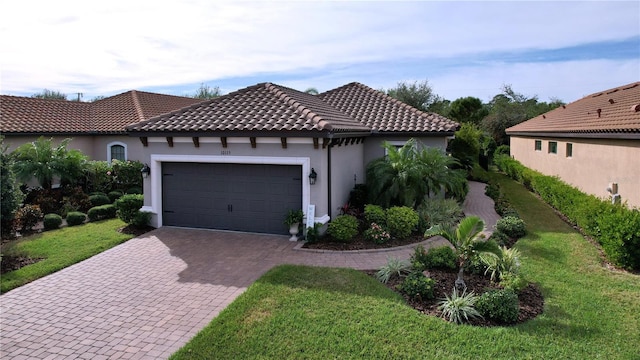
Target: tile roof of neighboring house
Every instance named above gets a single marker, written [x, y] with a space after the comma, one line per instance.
[610, 112]
[25, 115]
[261, 107]
[383, 113]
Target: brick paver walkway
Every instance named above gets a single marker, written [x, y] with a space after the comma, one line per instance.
[146, 298]
[477, 203]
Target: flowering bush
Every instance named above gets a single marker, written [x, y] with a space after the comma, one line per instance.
[377, 234]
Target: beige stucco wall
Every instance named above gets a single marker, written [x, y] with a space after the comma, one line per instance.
[94, 146]
[595, 164]
[347, 169]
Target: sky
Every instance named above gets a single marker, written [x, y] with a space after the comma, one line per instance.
[553, 50]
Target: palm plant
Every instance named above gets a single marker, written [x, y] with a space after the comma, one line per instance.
[407, 175]
[466, 241]
[42, 160]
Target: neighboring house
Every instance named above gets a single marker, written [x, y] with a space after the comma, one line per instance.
[592, 144]
[96, 128]
[243, 160]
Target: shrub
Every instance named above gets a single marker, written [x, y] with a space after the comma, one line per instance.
[500, 238]
[446, 212]
[49, 201]
[128, 206]
[492, 190]
[313, 233]
[107, 211]
[75, 199]
[358, 196]
[99, 199]
[141, 219]
[377, 234]
[459, 308]
[343, 228]
[502, 150]
[418, 286]
[401, 221]
[418, 258]
[127, 175]
[134, 190]
[442, 257]
[512, 227]
[52, 221]
[499, 305]
[98, 176]
[514, 282]
[115, 195]
[508, 211]
[374, 214]
[393, 267]
[28, 216]
[76, 218]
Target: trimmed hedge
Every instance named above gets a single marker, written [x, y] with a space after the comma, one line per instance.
[102, 212]
[615, 227]
[128, 207]
[99, 199]
[75, 218]
[52, 221]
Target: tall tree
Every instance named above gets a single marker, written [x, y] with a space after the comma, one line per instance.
[510, 108]
[468, 109]
[50, 94]
[207, 92]
[42, 160]
[312, 91]
[417, 94]
[10, 192]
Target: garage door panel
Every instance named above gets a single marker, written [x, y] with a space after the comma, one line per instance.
[243, 197]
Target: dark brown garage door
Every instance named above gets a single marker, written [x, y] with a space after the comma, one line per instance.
[241, 197]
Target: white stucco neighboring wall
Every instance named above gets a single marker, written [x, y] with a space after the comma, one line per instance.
[592, 166]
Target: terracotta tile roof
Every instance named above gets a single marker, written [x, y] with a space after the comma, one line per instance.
[612, 111]
[383, 113]
[262, 107]
[109, 115]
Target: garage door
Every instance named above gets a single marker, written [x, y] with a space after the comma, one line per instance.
[241, 197]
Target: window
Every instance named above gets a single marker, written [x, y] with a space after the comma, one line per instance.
[553, 147]
[538, 145]
[569, 150]
[116, 151]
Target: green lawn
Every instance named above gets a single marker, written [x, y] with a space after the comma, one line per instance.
[322, 313]
[61, 248]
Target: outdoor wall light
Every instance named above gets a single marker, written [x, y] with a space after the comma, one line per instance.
[146, 170]
[312, 177]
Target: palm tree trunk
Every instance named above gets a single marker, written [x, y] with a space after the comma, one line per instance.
[460, 284]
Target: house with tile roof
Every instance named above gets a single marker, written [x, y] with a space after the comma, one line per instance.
[96, 128]
[592, 143]
[243, 160]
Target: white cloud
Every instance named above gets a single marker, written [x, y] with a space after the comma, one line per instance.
[102, 47]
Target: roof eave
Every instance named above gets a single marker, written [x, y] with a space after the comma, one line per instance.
[581, 135]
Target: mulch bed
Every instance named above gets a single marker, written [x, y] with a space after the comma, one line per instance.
[530, 298]
[359, 243]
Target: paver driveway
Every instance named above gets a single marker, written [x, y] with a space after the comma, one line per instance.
[146, 298]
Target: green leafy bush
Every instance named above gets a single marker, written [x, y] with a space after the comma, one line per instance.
[128, 206]
[441, 257]
[127, 175]
[343, 228]
[459, 308]
[615, 227]
[358, 196]
[513, 281]
[508, 261]
[52, 221]
[401, 221]
[76, 218]
[141, 219]
[98, 176]
[445, 212]
[393, 267]
[28, 216]
[502, 150]
[374, 214]
[99, 199]
[512, 226]
[418, 286]
[134, 190]
[377, 234]
[313, 233]
[75, 200]
[500, 238]
[115, 195]
[107, 211]
[492, 190]
[499, 305]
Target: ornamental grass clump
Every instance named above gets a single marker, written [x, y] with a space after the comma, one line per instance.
[459, 308]
[393, 267]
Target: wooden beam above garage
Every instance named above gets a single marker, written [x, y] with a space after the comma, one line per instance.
[283, 141]
[223, 140]
[170, 141]
[253, 142]
[144, 140]
[196, 141]
[316, 143]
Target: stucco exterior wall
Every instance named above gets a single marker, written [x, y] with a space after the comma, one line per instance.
[347, 169]
[268, 150]
[594, 164]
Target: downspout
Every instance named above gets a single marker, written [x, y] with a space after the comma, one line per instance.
[329, 179]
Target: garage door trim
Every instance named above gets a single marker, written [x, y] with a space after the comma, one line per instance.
[158, 159]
